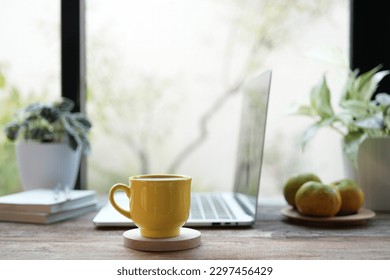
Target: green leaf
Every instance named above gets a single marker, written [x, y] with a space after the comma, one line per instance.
[383, 99]
[303, 110]
[345, 118]
[12, 131]
[65, 105]
[362, 87]
[86, 145]
[368, 83]
[350, 88]
[82, 120]
[372, 122]
[313, 129]
[308, 135]
[74, 139]
[351, 145]
[356, 108]
[320, 100]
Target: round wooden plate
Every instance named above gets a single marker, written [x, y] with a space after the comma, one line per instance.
[361, 217]
[188, 238]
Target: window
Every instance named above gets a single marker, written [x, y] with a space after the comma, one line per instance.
[156, 69]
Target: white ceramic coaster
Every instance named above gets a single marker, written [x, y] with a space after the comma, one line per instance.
[188, 238]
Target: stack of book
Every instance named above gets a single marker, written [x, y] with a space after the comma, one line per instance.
[44, 206]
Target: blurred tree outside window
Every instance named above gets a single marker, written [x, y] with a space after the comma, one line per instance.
[164, 78]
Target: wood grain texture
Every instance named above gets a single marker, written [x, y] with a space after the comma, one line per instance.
[273, 237]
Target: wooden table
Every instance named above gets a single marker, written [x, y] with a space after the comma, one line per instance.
[273, 237]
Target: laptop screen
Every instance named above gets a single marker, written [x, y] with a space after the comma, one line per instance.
[251, 139]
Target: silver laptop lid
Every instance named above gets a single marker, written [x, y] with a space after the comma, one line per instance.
[251, 140]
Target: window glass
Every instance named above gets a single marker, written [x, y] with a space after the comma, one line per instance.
[162, 86]
[29, 68]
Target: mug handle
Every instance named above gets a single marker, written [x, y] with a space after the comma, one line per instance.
[124, 188]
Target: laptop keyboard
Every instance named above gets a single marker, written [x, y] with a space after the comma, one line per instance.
[209, 207]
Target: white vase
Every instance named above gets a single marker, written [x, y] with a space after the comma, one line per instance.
[47, 165]
[373, 173]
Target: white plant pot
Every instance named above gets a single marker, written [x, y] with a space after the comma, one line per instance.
[373, 173]
[47, 165]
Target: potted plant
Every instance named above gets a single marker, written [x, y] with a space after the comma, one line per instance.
[364, 124]
[50, 140]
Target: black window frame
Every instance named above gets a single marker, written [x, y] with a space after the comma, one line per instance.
[73, 64]
[369, 37]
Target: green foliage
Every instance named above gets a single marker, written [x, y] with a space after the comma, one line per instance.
[2, 81]
[9, 179]
[10, 100]
[51, 123]
[360, 117]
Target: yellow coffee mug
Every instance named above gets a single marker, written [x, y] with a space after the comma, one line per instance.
[159, 203]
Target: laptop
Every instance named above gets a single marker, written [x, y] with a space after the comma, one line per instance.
[237, 207]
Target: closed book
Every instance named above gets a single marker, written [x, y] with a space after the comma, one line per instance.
[45, 200]
[47, 218]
